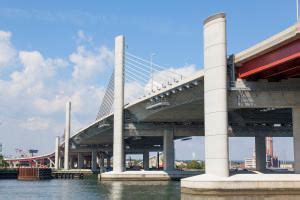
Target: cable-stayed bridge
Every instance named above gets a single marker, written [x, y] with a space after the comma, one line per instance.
[253, 93]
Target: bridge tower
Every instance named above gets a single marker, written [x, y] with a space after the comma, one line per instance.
[57, 144]
[67, 135]
[118, 139]
[215, 96]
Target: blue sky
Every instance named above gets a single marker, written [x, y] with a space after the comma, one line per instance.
[45, 45]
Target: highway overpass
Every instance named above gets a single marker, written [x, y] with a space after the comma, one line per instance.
[253, 93]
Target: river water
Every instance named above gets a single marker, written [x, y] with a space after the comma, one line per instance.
[90, 189]
[87, 189]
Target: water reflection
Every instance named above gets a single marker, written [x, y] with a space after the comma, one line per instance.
[240, 197]
[93, 189]
[142, 189]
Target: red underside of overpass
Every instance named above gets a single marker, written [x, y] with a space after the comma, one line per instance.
[280, 63]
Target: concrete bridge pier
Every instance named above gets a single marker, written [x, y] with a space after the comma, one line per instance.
[146, 160]
[168, 151]
[94, 161]
[71, 162]
[108, 164]
[296, 133]
[101, 163]
[80, 161]
[67, 135]
[215, 96]
[56, 160]
[118, 140]
[260, 153]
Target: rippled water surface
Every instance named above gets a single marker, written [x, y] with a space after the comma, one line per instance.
[89, 189]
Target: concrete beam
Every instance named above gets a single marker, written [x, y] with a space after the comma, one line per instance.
[263, 94]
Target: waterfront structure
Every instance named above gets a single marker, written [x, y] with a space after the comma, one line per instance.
[253, 93]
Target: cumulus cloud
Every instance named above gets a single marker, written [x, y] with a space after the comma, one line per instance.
[35, 124]
[88, 63]
[7, 51]
[36, 93]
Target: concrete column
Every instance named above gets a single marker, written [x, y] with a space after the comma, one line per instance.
[108, 161]
[94, 161]
[80, 161]
[56, 160]
[168, 151]
[260, 153]
[215, 96]
[157, 160]
[146, 159]
[71, 164]
[296, 134]
[101, 163]
[60, 161]
[67, 135]
[118, 143]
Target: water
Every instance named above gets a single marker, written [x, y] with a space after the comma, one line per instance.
[90, 189]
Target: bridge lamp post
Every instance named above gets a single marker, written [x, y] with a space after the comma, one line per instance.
[151, 65]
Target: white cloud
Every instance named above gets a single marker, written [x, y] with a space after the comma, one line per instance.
[89, 63]
[82, 37]
[35, 124]
[7, 51]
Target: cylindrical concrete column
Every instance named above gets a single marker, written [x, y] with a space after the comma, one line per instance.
[94, 161]
[168, 151]
[101, 163]
[71, 162]
[296, 134]
[118, 143]
[67, 135]
[260, 153]
[56, 160]
[215, 96]
[108, 161]
[80, 161]
[146, 160]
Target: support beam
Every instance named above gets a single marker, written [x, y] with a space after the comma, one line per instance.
[118, 140]
[67, 135]
[146, 160]
[94, 161]
[57, 144]
[260, 153]
[215, 96]
[168, 151]
[296, 133]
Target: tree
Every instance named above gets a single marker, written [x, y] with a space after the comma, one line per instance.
[195, 165]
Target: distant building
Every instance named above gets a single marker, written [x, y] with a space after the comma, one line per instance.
[271, 160]
[250, 163]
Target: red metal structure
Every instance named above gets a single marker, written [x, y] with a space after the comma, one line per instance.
[276, 58]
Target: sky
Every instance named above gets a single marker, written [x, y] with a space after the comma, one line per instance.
[55, 51]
